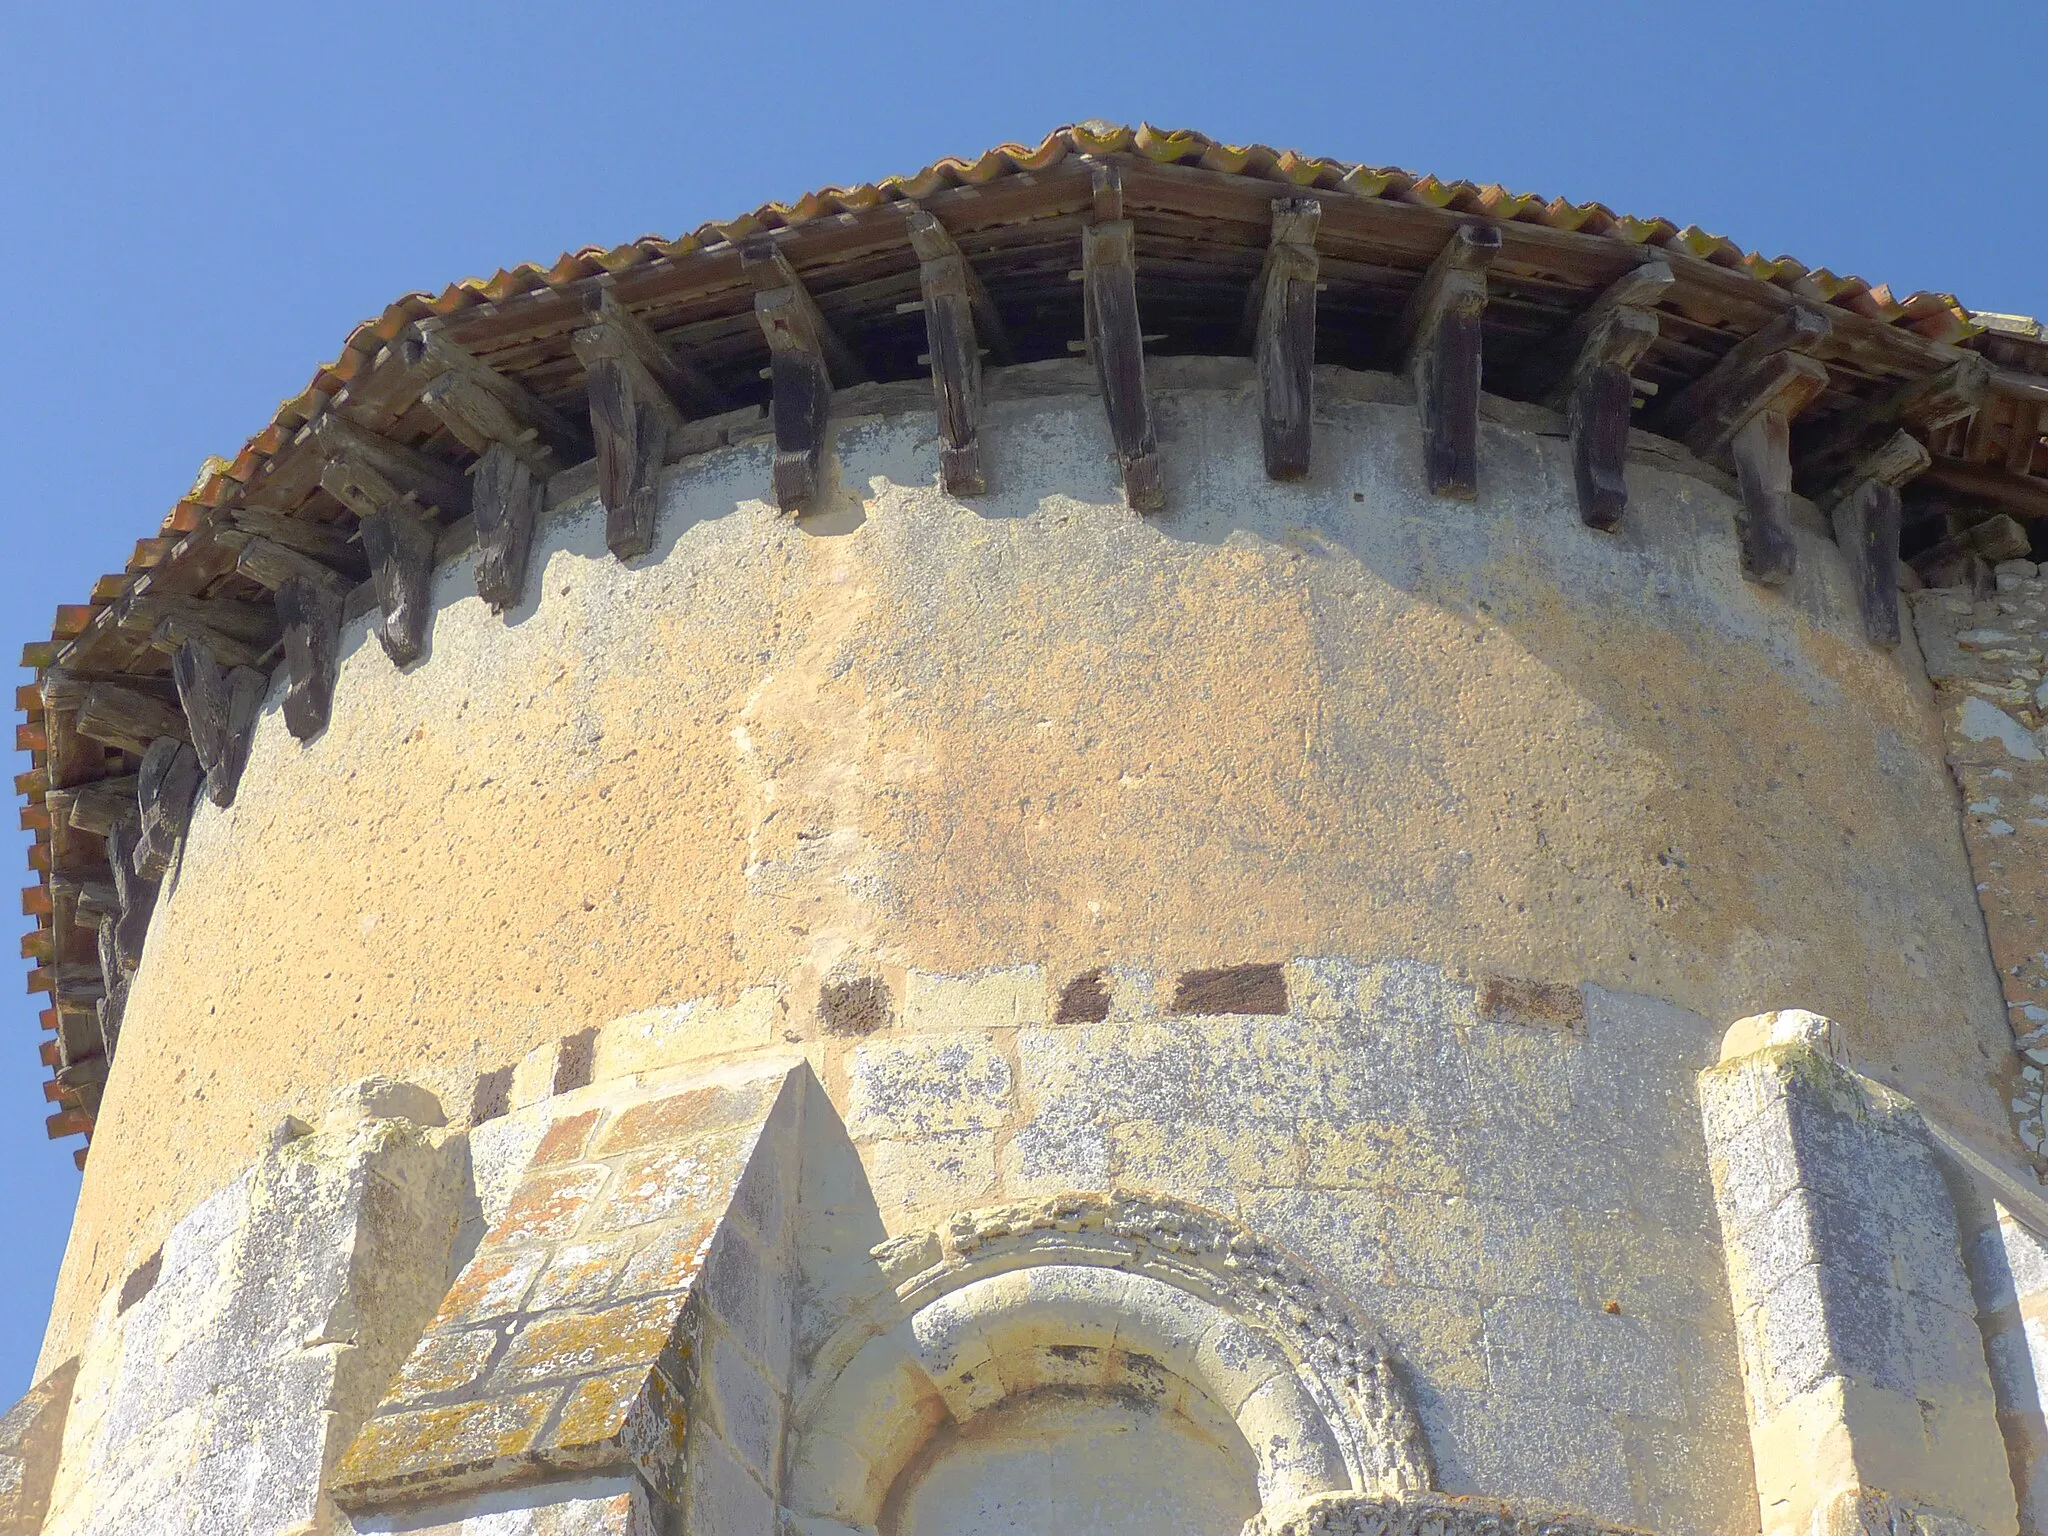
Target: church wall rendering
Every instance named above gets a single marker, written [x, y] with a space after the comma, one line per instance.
[1139, 942]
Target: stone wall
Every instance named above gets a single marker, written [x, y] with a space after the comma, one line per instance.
[910, 734]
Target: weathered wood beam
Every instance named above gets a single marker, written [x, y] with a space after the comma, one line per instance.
[930, 240]
[238, 633]
[1707, 414]
[2025, 437]
[767, 267]
[1866, 515]
[478, 419]
[95, 807]
[134, 891]
[311, 612]
[1741, 411]
[1598, 400]
[952, 339]
[481, 405]
[1922, 407]
[324, 542]
[166, 786]
[505, 509]
[366, 472]
[1955, 560]
[122, 717]
[272, 564]
[221, 707]
[1116, 342]
[2022, 496]
[632, 419]
[688, 388]
[401, 550]
[1282, 321]
[1438, 340]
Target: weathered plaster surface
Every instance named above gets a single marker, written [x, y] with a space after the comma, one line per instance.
[1040, 735]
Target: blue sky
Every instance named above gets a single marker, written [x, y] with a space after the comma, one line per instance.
[198, 203]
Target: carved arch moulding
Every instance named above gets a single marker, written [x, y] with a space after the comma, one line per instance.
[1130, 1292]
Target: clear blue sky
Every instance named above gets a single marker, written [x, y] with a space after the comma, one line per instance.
[198, 202]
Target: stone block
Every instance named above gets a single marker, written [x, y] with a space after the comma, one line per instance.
[1064, 1147]
[1544, 1351]
[446, 1363]
[692, 1180]
[581, 1273]
[684, 1116]
[1382, 1155]
[934, 1173]
[565, 1139]
[1010, 998]
[31, 1436]
[533, 1079]
[493, 1284]
[722, 1495]
[926, 1084]
[557, 1345]
[450, 1446]
[1207, 1163]
[658, 1038]
[742, 1406]
[550, 1206]
[1113, 1071]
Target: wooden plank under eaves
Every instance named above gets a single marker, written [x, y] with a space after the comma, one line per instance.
[1741, 413]
[806, 360]
[1281, 320]
[1115, 339]
[958, 315]
[1438, 341]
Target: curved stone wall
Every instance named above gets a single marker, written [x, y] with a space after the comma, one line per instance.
[910, 736]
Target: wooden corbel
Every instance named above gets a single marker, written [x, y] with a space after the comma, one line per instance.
[957, 314]
[165, 787]
[805, 359]
[633, 414]
[1281, 317]
[1741, 412]
[1116, 341]
[311, 612]
[1598, 392]
[400, 545]
[221, 707]
[505, 505]
[1864, 510]
[1438, 341]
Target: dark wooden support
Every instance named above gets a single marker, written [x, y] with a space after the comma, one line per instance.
[221, 706]
[165, 787]
[271, 564]
[952, 337]
[2025, 437]
[688, 388]
[505, 508]
[401, 550]
[1116, 341]
[366, 472]
[95, 807]
[1922, 406]
[1282, 316]
[124, 718]
[1599, 397]
[482, 406]
[1740, 412]
[1438, 340]
[311, 612]
[767, 267]
[805, 360]
[2025, 498]
[324, 542]
[1707, 414]
[237, 633]
[1866, 515]
[124, 930]
[632, 418]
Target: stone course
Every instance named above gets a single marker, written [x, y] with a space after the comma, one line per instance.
[1988, 660]
[1862, 1363]
[221, 1396]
